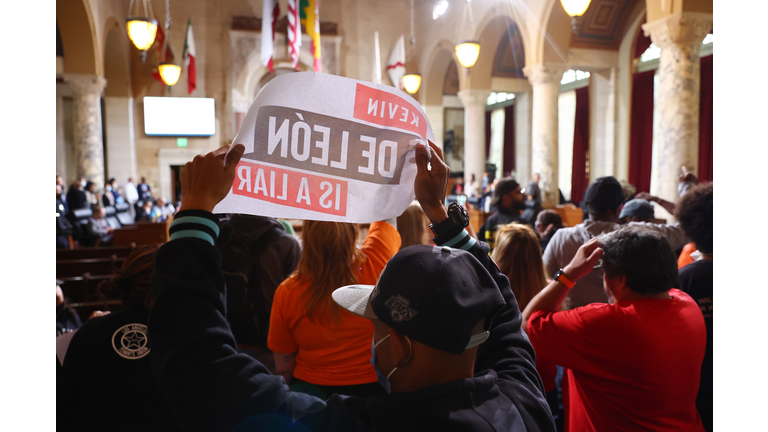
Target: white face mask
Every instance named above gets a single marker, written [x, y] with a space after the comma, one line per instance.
[384, 381]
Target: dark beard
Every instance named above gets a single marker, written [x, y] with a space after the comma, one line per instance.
[518, 206]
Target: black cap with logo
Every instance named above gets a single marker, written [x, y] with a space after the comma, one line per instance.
[434, 295]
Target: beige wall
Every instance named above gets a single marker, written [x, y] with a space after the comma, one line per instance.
[93, 27]
[88, 36]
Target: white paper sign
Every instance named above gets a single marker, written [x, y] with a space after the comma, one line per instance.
[323, 147]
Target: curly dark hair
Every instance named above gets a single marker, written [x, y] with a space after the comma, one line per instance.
[695, 214]
[644, 257]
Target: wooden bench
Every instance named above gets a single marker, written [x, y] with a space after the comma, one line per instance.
[94, 252]
[570, 214]
[93, 266]
[83, 288]
[143, 234]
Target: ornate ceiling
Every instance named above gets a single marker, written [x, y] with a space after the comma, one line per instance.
[603, 25]
[510, 55]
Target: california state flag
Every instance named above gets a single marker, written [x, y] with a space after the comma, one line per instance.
[396, 63]
[189, 58]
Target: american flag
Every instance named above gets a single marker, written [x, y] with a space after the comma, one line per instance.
[294, 32]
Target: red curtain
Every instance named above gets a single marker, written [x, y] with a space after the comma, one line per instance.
[705, 121]
[579, 176]
[641, 131]
[509, 138]
[641, 43]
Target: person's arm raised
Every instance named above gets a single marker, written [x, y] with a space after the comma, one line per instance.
[207, 383]
[667, 205]
[552, 296]
[507, 352]
[430, 184]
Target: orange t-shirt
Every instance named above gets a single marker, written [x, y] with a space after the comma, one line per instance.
[685, 256]
[334, 353]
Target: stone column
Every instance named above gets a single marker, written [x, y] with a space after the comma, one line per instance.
[603, 153]
[474, 102]
[61, 145]
[545, 79]
[523, 137]
[679, 36]
[89, 146]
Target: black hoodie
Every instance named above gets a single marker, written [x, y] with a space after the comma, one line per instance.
[211, 387]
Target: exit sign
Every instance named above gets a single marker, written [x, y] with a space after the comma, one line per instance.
[181, 142]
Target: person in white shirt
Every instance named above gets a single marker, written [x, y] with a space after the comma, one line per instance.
[166, 210]
[604, 199]
[131, 196]
[472, 189]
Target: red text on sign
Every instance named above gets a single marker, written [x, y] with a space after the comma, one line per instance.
[291, 188]
[387, 109]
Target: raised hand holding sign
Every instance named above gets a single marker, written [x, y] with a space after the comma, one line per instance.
[323, 147]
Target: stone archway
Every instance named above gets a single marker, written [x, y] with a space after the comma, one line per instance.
[120, 146]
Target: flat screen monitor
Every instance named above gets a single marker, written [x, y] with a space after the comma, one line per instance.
[174, 116]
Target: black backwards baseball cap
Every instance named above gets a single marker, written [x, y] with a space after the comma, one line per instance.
[434, 295]
[639, 208]
[503, 187]
[604, 194]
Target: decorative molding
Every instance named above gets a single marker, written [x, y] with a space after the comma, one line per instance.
[84, 85]
[451, 81]
[250, 23]
[679, 29]
[509, 59]
[545, 73]
[603, 24]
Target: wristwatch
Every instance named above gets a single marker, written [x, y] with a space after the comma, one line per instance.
[457, 220]
[560, 277]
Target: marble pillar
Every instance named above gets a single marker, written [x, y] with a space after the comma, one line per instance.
[545, 79]
[679, 36]
[89, 146]
[604, 157]
[61, 144]
[523, 137]
[474, 102]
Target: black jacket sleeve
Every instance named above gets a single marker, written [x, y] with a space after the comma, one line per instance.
[206, 382]
[508, 351]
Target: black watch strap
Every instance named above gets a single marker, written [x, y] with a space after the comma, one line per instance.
[451, 227]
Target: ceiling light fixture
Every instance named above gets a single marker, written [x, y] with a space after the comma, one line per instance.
[142, 29]
[169, 71]
[469, 50]
[411, 83]
[575, 9]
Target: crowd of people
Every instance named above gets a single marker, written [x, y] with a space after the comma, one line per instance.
[82, 194]
[424, 325]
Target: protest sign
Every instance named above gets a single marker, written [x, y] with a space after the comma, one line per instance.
[323, 147]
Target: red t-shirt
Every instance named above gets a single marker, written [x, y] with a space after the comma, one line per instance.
[633, 365]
